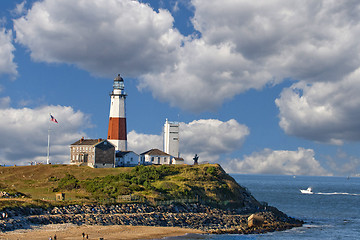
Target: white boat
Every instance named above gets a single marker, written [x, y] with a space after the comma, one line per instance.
[307, 191]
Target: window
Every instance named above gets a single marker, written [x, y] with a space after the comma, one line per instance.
[152, 159]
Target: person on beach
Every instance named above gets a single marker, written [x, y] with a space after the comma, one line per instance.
[50, 238]
[83, 234]
[55, 237]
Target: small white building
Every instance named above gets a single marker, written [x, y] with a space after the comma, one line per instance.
[155, 156]
[126, 159]
[178, 160]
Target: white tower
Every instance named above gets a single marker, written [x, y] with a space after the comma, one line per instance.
[171, 138]
[117, 133]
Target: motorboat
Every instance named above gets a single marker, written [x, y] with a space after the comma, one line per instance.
[307, 191]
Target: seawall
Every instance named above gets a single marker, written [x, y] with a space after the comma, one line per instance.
[195, 216]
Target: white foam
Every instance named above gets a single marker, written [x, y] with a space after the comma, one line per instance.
[338, 193]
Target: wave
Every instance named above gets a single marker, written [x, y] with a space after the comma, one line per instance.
[338, 193]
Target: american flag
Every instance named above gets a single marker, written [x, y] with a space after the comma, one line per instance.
[53, 119]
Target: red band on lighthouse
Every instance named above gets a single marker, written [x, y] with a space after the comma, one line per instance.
[117, 129]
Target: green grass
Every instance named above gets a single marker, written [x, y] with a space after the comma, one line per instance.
[82, 184]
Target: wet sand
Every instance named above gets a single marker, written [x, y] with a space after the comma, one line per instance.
[71, 231]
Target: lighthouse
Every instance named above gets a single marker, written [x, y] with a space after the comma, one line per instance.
[171, 138]
[117, 133]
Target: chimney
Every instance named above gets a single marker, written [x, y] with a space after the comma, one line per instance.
[99, 140]
[82, 139]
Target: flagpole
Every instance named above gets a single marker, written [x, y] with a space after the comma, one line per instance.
[48, 146]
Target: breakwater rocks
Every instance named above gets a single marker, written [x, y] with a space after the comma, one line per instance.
[195, 216]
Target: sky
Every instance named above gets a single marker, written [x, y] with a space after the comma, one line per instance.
[260, 87]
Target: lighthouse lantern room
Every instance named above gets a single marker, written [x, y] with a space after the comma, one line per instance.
[117, 133]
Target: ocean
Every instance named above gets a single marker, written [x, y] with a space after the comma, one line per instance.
[332, 212]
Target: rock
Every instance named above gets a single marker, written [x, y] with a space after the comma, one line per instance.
[255, 220]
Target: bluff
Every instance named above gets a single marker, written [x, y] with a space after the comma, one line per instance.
[202, 196]
[207, 183]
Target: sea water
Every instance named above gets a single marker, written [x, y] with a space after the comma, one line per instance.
[332, 212]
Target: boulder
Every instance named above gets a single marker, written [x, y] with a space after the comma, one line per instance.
[255, 220]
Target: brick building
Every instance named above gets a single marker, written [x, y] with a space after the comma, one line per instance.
[96, 153]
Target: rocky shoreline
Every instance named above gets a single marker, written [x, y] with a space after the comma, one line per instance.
[194, 216]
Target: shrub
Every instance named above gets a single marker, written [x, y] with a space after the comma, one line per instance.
[53, 179]
[69, 182]
[212, 171]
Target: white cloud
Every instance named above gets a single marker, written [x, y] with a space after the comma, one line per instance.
[4, 102]
[24, 132]
[19, 9]
[7, 65]
[139, 142]
[241, 44]
[100, 36]
[205, 76]
[249, 44]
[344, 164]
[324, 111]
[300, 162]
[209, 138]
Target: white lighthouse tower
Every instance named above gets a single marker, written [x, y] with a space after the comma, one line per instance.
[117, 133]
[171, 138]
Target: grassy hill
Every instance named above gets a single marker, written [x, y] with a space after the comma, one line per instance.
[37, 185]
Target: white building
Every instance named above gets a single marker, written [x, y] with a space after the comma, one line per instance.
[171, 138]
[126, 159]
[155, 156]
[178, 160]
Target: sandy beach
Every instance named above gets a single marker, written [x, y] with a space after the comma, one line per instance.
[71, 231]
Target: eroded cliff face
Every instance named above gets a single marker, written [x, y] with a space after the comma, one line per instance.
[222, 188]
[204, 183]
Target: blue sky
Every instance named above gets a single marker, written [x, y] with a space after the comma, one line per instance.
[259, 87]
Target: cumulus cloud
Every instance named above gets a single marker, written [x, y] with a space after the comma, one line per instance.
[205, 77]
[300, 162]
[7, 65]
[209, 138]
[19, 9]
[140, 142]
[324, 111]
[100, 36]
[248, 45]
[240, 45]
[344, 164]
[4, 102]
[24, 132]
